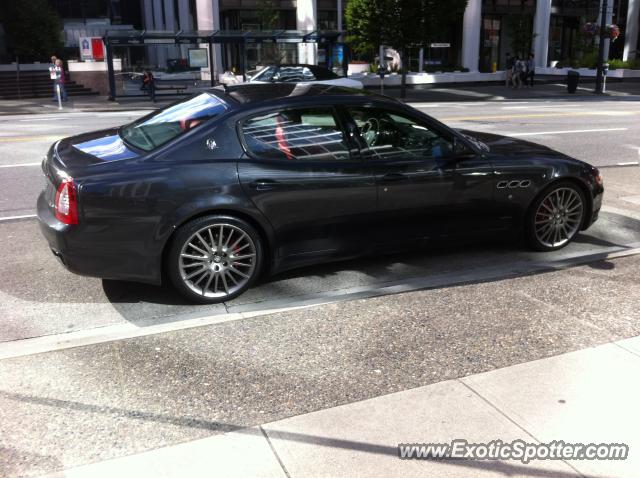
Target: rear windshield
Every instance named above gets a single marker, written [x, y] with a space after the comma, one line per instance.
[166, 124]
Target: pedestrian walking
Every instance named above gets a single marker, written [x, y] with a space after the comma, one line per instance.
[59, 81]
[531, 70]
[54, 76]
[509, 69]
[149, 84]
[516, 78]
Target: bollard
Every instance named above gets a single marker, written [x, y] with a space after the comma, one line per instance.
[59, 97]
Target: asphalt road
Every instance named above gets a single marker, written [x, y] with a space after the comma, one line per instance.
[600, 132]
[132, 388]
[40, 298]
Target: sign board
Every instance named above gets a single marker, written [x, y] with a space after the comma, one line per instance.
[91, 48]
[440, 45]
[198, 58]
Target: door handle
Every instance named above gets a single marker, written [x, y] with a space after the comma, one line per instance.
[392, 177]
[263, 184]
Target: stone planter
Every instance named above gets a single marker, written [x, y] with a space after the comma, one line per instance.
[358, 68]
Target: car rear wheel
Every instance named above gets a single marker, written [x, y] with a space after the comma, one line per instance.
[214, 258]
[556, 217]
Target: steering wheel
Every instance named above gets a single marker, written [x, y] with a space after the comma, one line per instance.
[370, 131]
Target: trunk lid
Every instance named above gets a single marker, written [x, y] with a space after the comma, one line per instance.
[98, 147]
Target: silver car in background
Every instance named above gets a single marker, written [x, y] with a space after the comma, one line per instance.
[302, 74]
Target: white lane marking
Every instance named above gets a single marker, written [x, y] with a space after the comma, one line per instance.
[110, 333]
[566, 132]
[540, 106]
[633, 146]
[13, 218]
[19, 165]
[83, 114]
[630, 163]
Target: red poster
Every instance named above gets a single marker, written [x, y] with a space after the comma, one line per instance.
[98, 48]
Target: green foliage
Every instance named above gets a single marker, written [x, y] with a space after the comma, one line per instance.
[589, 58]
[520, 28]
[268, 15]
[365, 21]
[269, 20]
[33, 29]
[620, 64]
[399, 23]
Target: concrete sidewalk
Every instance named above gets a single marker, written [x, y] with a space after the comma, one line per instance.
[625, 90]
[588, 396]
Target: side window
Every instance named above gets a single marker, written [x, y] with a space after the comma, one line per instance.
[390, 135]
[300, 134]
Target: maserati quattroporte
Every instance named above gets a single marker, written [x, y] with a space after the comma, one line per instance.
[220, 187]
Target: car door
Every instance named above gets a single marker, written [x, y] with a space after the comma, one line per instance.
[430, 183]
[305, 175]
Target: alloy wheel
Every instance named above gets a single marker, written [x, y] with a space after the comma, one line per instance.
[558, 217]
[217, 260]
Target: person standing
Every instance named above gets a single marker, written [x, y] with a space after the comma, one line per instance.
[149, 83]
[515, 72]
[60, 80]
[531, 70]
[54, 76]
[509, 69]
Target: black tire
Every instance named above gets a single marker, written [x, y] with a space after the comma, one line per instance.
[567, 221]
[188, 256]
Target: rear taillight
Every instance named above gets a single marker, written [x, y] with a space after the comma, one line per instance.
[67, 202]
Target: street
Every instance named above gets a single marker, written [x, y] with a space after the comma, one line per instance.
[92, 370]
[41, 298]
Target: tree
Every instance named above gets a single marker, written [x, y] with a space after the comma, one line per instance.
[520, 29]
[400, 24]
[33, 29]
[365, 21]
[269, 20]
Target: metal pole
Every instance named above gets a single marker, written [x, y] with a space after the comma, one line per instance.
[244, 61]
[59, 98]
[211, 73]
[111, 72]
[603, 27]
[18, 76]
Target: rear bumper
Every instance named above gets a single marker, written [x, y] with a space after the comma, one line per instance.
[87, 250]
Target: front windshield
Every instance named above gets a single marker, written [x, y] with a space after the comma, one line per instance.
[168, 123]
[266, 74]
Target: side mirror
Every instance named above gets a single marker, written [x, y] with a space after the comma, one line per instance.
[461, 150]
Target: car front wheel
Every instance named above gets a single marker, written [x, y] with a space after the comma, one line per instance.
[556, 217]
[214, 258]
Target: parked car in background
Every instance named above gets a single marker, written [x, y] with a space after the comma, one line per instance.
[302, 74]
[221, 186]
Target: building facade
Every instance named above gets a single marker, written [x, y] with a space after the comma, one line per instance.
[489, 29]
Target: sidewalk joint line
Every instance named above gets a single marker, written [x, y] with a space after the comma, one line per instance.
[495, 407]
[275, 453]
[626, 349]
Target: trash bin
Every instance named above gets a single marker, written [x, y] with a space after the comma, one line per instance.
[573, 78]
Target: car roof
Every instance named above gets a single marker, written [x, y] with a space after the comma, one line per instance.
[254, 94]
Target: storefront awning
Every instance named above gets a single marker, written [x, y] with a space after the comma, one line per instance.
[151, 37]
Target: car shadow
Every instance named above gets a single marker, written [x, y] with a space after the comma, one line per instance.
[123, 292]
